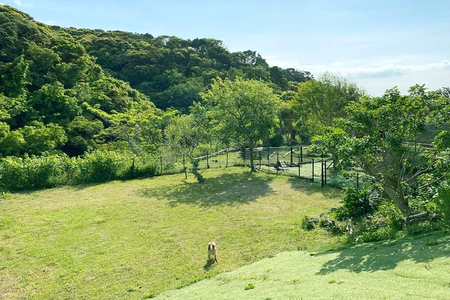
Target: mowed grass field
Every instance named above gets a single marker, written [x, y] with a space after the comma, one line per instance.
[409, 268]
[138, 238]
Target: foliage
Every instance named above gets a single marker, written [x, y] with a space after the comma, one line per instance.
[379, 137]
[245, 110]
[50, 85]
[357, 204]
[318, 103]
[47, 171]
[173, 71]
[309, 223]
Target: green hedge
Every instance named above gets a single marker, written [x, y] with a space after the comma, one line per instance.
[34, 172]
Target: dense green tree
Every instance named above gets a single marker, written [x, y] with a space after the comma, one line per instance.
[55, 104]
[243, 109]
[379, 137]
[40, 138]
[319, 102]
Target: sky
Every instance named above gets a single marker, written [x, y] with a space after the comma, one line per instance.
[377, 44]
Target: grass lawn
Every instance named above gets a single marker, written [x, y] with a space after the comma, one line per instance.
[135, 238]
[409, 268]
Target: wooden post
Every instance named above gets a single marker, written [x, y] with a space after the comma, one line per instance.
[207, 160]
[325, 173]
[299, 166]
[268, 154]
[312, 169]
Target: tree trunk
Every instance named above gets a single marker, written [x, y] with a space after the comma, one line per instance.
[335, 161]
[292, 137]
[398, 199]
[252, 166]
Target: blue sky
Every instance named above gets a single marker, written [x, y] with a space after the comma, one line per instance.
[377, 44]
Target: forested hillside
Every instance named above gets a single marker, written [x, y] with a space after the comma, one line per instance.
[54, 96]
[78, 90]
[172, 71]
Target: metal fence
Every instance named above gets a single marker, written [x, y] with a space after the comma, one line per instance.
[296, 161]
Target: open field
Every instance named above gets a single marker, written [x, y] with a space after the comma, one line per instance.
[136, 238]
[409, 268]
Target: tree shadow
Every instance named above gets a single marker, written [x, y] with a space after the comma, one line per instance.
[308, 187]
[225, 189]
[387, 255]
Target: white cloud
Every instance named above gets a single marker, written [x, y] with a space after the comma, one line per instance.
[22, 4]
[378, 77]
[379, 70]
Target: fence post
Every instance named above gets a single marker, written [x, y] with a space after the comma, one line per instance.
[277, 163]
[312, 169]
[160, 162]
[268, 154]
[299, 166]
[184, 166]
[301, 153]
[260, 159]
[227, 159]
[325, 172]
[207, 160]
[321, 175]
[291, 155]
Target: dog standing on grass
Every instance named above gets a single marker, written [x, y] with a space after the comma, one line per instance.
[212, 251]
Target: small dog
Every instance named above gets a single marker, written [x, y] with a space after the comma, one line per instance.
[212, 251]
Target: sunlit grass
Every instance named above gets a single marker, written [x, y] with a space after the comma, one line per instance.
[136, 238]
[410, 268]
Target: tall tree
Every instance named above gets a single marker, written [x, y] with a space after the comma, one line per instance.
[318, 102]
[379, 137]
[244, 109]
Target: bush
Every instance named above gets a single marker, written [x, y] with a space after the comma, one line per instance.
[276, 140]
[101, 166]
[48, 171]
[309, 223]
[32, 172]
[357, 204]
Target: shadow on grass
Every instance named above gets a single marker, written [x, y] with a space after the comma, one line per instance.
[225, 189]
[386, 256]
[308, 187]
[208, 265]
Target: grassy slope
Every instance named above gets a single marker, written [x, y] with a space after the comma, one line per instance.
[410, 268]
[129, 239]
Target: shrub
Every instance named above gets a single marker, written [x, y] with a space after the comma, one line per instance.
[309, 223]
[357, 204]
[100, 166]
[47, 171]
[276, 140]
[32, 172]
